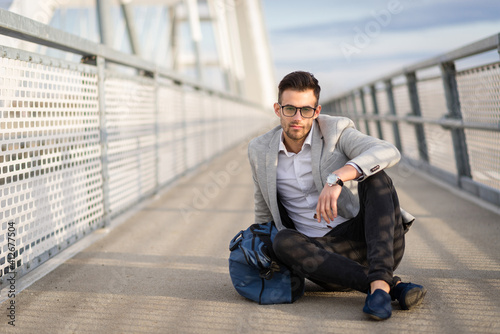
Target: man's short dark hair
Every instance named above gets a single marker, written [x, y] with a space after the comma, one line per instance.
[299, 81]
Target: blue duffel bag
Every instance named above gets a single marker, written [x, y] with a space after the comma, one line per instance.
[255, 271]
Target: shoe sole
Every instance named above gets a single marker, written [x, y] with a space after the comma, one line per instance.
[413, 298]
[374, 317]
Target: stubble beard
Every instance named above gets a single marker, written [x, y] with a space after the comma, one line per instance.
[294, 134]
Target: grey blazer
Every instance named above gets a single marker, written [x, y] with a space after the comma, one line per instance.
[335, 142]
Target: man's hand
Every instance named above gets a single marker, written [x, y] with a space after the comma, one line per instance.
[327, 203]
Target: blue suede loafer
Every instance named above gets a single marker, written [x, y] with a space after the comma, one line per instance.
[409, 295]
[378, 305]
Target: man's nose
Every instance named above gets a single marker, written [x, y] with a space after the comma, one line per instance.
[298, 115]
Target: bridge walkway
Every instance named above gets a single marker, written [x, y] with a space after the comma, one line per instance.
[164, 268]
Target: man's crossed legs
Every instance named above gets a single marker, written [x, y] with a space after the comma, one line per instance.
[360, 254]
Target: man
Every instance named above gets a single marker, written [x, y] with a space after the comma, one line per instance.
[329, 232]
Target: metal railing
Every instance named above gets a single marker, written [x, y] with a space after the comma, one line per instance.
[446, 124]
[82, 143]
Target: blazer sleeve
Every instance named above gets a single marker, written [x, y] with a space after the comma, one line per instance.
[262, 211]
[370, 154]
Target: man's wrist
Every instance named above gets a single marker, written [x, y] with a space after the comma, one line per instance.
[334, 179]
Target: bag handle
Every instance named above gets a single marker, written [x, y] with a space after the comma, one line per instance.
[261, 229]
[235, 241]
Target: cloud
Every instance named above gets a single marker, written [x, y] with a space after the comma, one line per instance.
[311, 36]
[386, 54]
[412, 16]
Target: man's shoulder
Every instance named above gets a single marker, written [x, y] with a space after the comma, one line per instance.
[263, 141]
[331, 127]
[335, 121]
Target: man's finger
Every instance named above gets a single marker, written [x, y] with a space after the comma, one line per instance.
[334, 208]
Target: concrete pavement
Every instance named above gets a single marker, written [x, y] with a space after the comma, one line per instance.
[164, 270]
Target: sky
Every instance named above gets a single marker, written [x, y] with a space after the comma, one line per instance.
[348, 43]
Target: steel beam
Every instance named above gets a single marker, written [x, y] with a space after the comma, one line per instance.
[104, 19]
[194, 24]
[131, 28]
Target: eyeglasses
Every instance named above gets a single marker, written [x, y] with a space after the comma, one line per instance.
[290, 111]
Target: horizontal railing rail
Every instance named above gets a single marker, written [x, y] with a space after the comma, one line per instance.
[448, 125]
[445, 123]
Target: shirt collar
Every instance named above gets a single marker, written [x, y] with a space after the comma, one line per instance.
[308, 141]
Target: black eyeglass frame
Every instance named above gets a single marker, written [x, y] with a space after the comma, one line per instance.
[297, 108]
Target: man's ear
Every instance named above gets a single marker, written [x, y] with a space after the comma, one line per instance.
[277, 110]
[318, 110]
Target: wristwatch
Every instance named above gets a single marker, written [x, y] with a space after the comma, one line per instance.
[334, 179]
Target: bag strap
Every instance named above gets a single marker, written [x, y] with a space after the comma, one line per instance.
[274, 267]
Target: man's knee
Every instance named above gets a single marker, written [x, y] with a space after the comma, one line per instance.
[379, 178]
[379, 182]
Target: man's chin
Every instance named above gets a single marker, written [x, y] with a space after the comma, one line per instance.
[295, 135]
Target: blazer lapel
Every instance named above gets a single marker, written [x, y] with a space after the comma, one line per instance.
[316, 151]
[271, 166]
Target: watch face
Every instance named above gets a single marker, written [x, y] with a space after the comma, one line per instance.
[332, 178]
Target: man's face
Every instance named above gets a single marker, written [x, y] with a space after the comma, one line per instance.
[296, 128]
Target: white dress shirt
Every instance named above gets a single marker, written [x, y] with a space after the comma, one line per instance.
[298, 192]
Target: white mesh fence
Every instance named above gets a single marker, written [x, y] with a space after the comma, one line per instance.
[439, 142]
[480, 102]
[53, 188]
[50, 180]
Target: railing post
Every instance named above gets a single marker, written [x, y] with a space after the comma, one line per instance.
[157, 131]
[331, 107]
[340, 110]
[392, 111]
[355, 111]
[101, 72]
[363, 107]
[448, 74]
[411, 81]
[373, 93]
[345, 107]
